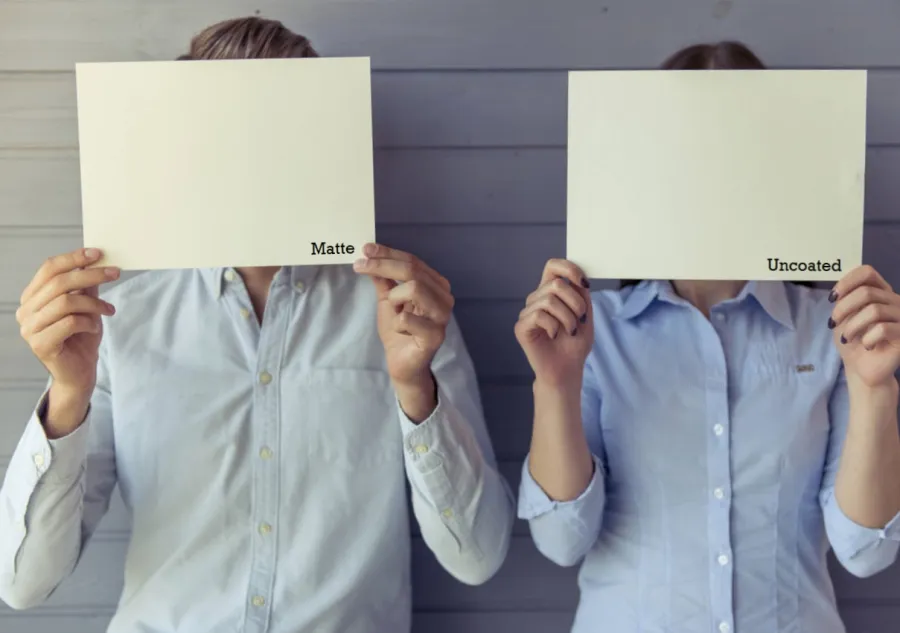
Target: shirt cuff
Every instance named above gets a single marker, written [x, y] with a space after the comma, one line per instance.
[534, 502]
[61, 459]
[852, 539]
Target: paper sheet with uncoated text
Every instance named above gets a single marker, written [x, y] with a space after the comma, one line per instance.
[716, 174]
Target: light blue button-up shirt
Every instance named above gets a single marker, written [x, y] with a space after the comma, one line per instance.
[265, 466]
[717, 444]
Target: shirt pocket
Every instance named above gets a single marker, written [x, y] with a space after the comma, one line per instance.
[344, 417]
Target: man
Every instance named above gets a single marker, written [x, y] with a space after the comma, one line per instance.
[257, 422]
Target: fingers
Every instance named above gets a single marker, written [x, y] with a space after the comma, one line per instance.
[57, 265]
[874, 313]
[421, 328]
[75, 281]
[425, 299]
[396, 265]
[567, 270]
[575, 298]
[62, 306]
[536, 321]
[881, 333]
[859, 276]
[555, 308]
[47, 342]
[856, 300]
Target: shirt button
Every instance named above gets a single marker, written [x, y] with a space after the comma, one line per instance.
[245, 313]
[265, 453]
[720, 316]
[258, 601]
[724, 628]
[723, 560]
[718, 429]
[719, 493]
[299, 286]
[448, 513]
[265, 378]
[421, 449]
[38, 460]
[264, 528]
[229, 275]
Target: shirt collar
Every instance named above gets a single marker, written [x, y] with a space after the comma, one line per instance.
[298, 277]
[770, 295]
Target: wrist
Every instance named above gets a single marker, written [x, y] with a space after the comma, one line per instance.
[417, 397]
[65, 410]
[885, 393]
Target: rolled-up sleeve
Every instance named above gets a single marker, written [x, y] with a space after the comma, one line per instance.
[464, 507]
[564, 531]
[863, 551]
[54, 494]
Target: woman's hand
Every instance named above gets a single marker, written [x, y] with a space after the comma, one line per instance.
[556, 329]
[866, 323]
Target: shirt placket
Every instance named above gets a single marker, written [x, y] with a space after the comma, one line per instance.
[267, 458]
[719, 471]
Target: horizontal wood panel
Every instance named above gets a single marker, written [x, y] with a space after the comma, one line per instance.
[418, 186]
[53, 34]
[416, 109]
[526, 581]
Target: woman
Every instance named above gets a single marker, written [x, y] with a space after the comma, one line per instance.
[700, 444]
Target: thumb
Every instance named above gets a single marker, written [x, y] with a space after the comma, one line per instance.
[382, 286]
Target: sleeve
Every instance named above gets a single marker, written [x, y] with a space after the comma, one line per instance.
[54, 494]
[463, 505]
[565, 531]
[862, 551]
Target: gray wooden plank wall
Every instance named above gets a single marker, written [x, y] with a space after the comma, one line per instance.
[470, 125]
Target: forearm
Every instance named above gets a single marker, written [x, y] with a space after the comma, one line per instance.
[40, 516]
[867, 487]
[560, 460]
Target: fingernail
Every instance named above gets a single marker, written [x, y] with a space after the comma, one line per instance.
[843, 340]
[583, 318]
[831, 323]
[574, 331]
[360, 263]
[832, 297]
[91, 253]
[369, 250]
[584, 282]
[110, 309]
[111, 273]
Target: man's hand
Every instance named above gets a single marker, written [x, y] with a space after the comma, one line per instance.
[866, 323]
[59, 318]
[414, 308]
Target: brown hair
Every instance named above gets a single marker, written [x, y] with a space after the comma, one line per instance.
[720, 56]
[728, 55]
[248, 38]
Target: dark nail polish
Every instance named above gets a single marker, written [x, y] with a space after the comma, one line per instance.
[832, 297]
[584, 282]
[843, 340]
[574, 331]
[583, 318]
[831, 323]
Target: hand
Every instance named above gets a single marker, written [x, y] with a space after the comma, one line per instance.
[59, 318]
[866, 323]
[556, 329]
[414, 308]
